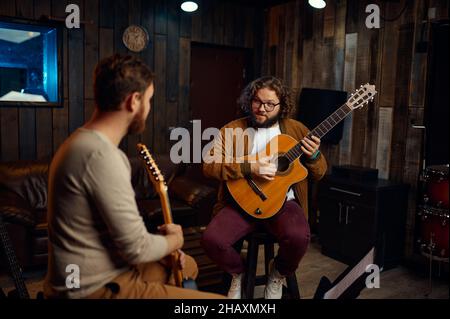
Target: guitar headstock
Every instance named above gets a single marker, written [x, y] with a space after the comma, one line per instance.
[155, 175]
[362, 96]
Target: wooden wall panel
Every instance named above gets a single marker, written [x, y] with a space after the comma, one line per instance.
[28, 133]
[351, 43]
[134, 18]
[401, 101]
[335, 50]
[148, 22]
[184, 82]
[389, 59]
[27, 116]
[384, 141]
[360, 148]
[44, 119]
[329, 20]
[75, 69]
[412, 170]
[60, 116]
[91, 46]
[160, 108]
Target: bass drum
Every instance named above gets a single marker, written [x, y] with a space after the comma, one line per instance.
[436, 179]
[434, 231]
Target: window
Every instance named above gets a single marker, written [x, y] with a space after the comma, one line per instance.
[29, 64]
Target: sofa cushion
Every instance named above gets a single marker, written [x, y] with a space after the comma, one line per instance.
[28, 179]
[15, 209]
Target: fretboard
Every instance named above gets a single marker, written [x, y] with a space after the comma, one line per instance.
[321, 130]
[13, 264]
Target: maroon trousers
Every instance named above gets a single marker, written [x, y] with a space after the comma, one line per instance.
[289, 227]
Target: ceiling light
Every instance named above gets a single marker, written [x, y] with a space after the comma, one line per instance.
[318, 4]
[189, 6]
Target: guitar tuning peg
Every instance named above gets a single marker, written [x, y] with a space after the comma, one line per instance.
[147, 162]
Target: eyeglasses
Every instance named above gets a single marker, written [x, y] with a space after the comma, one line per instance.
[268, 106]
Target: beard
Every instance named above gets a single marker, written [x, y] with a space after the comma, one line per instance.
[137, 125]
[266, 124]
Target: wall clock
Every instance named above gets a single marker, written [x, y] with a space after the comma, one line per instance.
[135, 38]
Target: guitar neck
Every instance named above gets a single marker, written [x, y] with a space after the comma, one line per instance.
[321, 130]
[157, 179]
[14, 268]
[168, 219]
[165, 206]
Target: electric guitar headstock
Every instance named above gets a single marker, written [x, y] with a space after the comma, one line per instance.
[155, 175]
[362, 96]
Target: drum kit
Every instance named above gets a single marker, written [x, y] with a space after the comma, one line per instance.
[434, 214]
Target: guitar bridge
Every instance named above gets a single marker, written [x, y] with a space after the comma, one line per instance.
[256, 189]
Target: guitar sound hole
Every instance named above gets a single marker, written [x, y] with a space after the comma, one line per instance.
[282, 164]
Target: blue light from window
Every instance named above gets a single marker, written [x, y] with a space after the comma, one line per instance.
[28, 63]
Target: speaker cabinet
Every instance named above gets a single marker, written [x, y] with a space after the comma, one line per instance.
[315, 105]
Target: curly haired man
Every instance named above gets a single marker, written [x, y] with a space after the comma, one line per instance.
[266, 106]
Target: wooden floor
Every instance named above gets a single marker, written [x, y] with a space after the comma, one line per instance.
[397, 283]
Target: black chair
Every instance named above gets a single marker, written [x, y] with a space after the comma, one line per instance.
[251, 280]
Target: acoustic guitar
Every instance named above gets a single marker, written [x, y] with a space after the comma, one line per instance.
[157, 179]
[263, 199]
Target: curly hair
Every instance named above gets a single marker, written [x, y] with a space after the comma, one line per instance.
[272, 83]
[117, 76]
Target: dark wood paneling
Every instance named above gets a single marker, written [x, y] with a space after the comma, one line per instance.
[186, 24]
[120, 24]
[406, 34]
[184, 78]
[106, 14]
[106, 43]
[91, 54]
[159, 105]
[134, 17]
[37, 133]
[353, 15]
[329, 20]
[173, 36]
[335, 50]
[60, 125]
[148, 22]
[389, 59]
[27, 116]
[75, 69]
[44, 120]
[160, 17]
[60, 116]
[91, 45]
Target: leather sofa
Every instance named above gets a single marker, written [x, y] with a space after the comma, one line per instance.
[23, 201]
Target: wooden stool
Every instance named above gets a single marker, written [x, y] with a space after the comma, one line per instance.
[251, 280]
